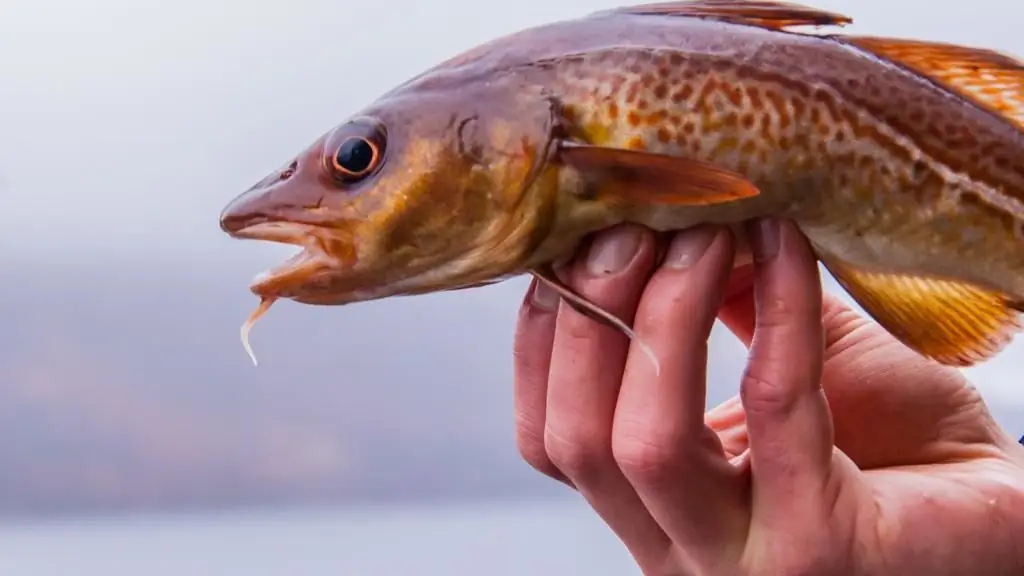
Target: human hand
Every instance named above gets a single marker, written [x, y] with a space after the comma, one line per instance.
[845, 452]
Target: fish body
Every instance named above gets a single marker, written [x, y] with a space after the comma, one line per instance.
[901, 161]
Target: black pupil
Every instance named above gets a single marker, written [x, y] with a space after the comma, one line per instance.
[355, 155]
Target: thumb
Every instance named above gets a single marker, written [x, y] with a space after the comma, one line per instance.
[788, 422]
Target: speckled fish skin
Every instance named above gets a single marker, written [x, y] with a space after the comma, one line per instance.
[911, 193]
[878, 166]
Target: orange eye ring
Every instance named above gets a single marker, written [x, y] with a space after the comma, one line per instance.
[356, 157]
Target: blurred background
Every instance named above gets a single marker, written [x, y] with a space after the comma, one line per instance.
[136, 436]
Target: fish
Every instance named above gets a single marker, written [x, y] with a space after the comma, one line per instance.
[900, 160]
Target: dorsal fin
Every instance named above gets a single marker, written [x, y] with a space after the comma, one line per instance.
[774, 15]
[991, 79]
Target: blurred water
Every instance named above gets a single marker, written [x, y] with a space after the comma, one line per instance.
[500, 539]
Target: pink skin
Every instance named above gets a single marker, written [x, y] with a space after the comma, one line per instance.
[899, 470]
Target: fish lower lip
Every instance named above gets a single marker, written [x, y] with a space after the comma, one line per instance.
[294, 271]
[298, 268]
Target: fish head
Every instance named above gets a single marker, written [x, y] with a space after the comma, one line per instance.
[438, 186]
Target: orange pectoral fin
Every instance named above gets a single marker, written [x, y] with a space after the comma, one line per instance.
[948, 321]
[988, 78]
[655, 178]
[774, 15]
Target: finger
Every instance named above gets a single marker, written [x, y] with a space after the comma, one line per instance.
[730, 423]
[676, 464]
[789, 426]
[583, 387]
[535, 334]
[739, 312]
[858, 354]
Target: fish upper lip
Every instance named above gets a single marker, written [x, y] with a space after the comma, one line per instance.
[281, 232]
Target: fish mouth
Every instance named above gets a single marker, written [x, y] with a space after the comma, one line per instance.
[296, 271]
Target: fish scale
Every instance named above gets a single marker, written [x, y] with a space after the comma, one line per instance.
[775, 130]
[901, 161]
[798, 144]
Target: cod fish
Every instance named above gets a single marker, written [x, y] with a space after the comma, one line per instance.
[901, 161]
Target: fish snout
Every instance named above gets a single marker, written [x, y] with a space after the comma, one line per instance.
[239, 215]
[287, 194]
[253, 206]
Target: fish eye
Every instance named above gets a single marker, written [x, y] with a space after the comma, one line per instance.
[355, 156]
[359, 154]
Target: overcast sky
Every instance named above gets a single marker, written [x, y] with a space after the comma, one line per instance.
[126, 125]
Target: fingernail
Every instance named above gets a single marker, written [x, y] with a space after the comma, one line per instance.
[764, 239]
[545, 297]
[613, 250]
[689, 246]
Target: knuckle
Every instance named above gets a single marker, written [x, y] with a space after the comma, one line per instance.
[765, 394]
[530, 443]
[645, 457]
[533, 453]
[581, 455]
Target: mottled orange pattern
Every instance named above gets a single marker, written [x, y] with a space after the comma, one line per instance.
[862, 156]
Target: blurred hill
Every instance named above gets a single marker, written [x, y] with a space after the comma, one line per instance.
[126, 388]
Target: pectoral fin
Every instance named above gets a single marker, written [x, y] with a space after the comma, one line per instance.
[988, 78]
[951, 322]
[774, 15]
[655, 178]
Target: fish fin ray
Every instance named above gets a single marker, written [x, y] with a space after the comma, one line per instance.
[655, 178]
[988, 78]
[593, 311]
[951, 322]
[764, 14]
